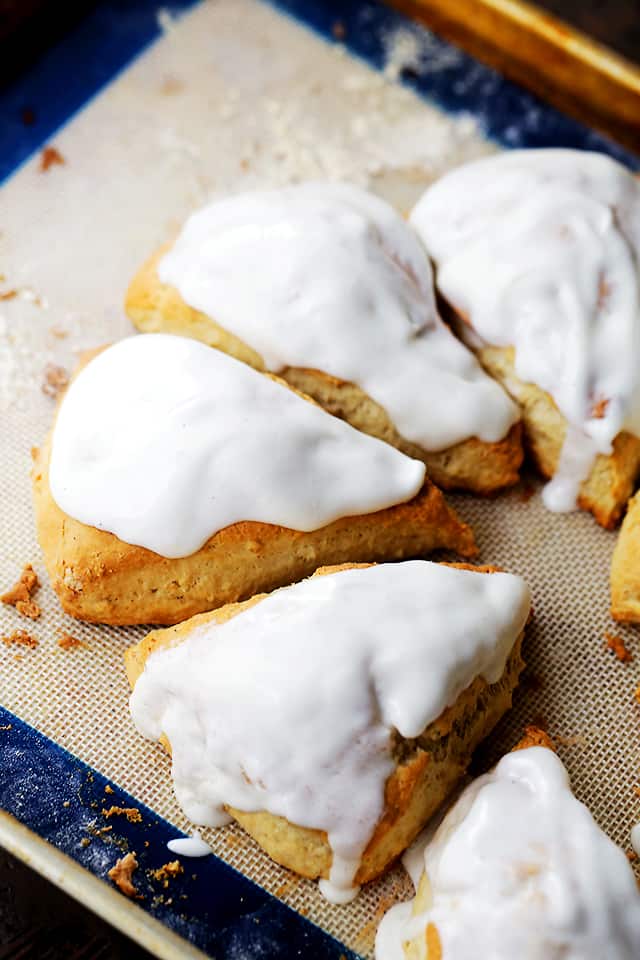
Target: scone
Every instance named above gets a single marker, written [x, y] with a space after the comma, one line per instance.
[177, 479]
[332, 717]
[326, 285]
[518, 868]
[537, 253]
[625, 567]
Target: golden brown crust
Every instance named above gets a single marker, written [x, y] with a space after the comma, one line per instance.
[103, 580]
[471, 465]
[427, 767]
[612, 479]
[625, 567]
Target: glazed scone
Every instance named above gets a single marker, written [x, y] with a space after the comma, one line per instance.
[177, 479]
[518, 868]
[326, 285]
[332, 717]
[537, 253]
[625, 567]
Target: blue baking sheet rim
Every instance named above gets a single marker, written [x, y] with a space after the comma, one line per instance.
[42, 785]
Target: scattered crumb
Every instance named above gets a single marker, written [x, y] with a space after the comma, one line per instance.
[245, 164]
[617, 644]
[122, 873]
[6, 726]
[146, 843]
[58, 333]
[50, 157]
[132, 814]
[85, 842]
[28, 116]
[67, 803]
[636, 790]
[534, 737]
[286, 888]
[632, 856]
[9, 295]
[108, 789]
[167, 872]
[20, 638]
[339, 30]
[599, 409]
[67, 642]
[20, 594]
[55, 380]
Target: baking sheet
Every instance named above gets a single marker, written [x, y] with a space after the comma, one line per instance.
[236, 95]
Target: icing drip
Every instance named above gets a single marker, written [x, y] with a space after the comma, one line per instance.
[328, 276]
[539, 250]
[289, 706]
[164, 441]
[518, 868]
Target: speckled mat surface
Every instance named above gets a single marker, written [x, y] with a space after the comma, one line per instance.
[215, 106]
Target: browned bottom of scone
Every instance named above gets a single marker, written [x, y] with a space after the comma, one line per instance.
[471, 465]
[625, 567]
[612, 479]
[426, 772]
[103, 580]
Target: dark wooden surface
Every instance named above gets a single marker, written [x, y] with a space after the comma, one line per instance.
[38, 921]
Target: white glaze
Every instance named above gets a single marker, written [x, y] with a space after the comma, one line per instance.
[193, 846]
[519, 869]
[539, 249]
[288, 707]
[328, 276]
[163, 442]
[635, 838]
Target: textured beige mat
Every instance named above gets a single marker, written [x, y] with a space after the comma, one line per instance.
[216, 106]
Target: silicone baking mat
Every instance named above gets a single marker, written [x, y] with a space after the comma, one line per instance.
[236, 94]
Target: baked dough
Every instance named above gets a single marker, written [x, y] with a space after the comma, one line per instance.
[426, 770]
[625, 567]
[101, 579]
[471, 465]
[612, 478]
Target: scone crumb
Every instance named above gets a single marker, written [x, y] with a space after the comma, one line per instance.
[85, 842]
[132, 814]
[632, 856]
[6, 726]
[55, 380]
[20, 594]
[9, 295]
[121, 874]
[108, 789]
[166, 872]
[599, 409]
[66, 803]
[20, 638]
[67, 642]
[50, 157]
[338, 30]
[617, 644]
[534, 737]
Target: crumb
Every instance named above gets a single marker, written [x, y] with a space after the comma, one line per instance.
[20, 638]
[171, 85]
[58, 333]
[50, 157]
[146, 843]
[9, 295]
[636, 790]
[28, 116]
[18, 657]
[67, 642]
[20, 594]
[166, 872]
[132, 814]
[245, 164]
[67, 803]
[617, 644]
[55, 380]
[599, 409]
[339, 30]
[108, 789]
[632, 856]
[85, 842]
[6, 726]
[121, 875]
[534, 737]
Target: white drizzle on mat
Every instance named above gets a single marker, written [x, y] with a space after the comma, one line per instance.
[164, 441]
[193, 846]
[328, 276]
[539, 250]
[289, 706]
[519, 869]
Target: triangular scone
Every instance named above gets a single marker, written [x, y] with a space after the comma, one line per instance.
[326, 285]
[177, 479]
[537, 253]
[518, 868]
[625, 567]
[332, 717]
